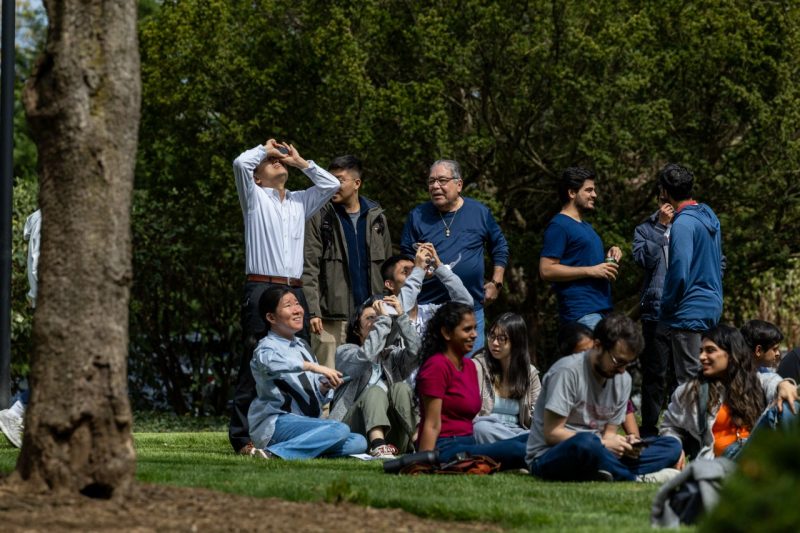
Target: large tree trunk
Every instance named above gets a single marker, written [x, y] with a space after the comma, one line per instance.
[83, 109]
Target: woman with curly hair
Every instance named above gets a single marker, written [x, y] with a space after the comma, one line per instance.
[731, 397]
[449, 397]
[509, 383]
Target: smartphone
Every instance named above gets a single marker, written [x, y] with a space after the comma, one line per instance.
[345, 379]
[645, 442]
[282, 149]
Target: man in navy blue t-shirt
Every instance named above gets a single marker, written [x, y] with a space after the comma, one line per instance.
[573, 258]
[460, 229]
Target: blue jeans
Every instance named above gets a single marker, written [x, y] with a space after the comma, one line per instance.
[303, 437]
[480, 325]
[590, 320]
[772, 419]
[580, 457]
[510, 453]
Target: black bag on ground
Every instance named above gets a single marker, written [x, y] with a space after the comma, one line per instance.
[394, 466]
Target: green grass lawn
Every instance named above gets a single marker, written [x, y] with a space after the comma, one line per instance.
[511, 500]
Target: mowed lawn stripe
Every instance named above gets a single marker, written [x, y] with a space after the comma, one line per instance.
[511, 500]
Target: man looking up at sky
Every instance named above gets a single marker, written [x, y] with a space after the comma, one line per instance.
[274, 229]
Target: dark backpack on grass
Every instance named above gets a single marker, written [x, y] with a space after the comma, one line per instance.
[691, 494]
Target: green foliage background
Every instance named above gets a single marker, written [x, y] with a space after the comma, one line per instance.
[516, 91]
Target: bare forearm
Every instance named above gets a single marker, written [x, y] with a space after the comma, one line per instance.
[498, 274]
[558, 435]
[559, 272]
[428, 436]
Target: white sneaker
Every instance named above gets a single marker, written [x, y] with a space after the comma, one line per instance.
[662, 476]
[11, 423]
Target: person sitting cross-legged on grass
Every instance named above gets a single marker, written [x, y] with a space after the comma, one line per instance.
[509, 383]
[574, 337]
[377, 402]
[292, 388]
[737, 398]
[574, 435]
[447, 386]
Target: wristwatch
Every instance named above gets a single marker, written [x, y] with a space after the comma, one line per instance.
[498, 284]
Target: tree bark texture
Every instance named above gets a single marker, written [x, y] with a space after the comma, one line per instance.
[83, 105]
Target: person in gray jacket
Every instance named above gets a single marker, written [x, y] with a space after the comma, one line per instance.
[403, 278]
[736, 397]
[380, 353]
[345, 245]
[650, 248]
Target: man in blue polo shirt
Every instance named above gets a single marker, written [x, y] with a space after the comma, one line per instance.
[460, 229]
[573, 258]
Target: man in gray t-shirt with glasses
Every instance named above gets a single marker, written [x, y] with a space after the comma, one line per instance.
[574, 434]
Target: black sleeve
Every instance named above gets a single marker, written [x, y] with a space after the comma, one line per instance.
[789, 366]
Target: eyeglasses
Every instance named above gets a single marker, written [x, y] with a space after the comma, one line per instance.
[501, 339]
[440, 181]
[619, 363]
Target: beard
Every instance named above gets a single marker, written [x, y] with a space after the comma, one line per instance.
[583, 206]
[598, 368]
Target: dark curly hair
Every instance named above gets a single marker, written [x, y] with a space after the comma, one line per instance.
[739, 385]
[677, 180]
[572, 180]
[448, 316]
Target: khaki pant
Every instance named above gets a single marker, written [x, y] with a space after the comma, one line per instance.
[393, 410]
[325, 344]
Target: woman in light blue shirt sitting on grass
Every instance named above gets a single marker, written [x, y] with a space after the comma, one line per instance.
[291, 389]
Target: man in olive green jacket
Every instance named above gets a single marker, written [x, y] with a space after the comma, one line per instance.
[345, 245]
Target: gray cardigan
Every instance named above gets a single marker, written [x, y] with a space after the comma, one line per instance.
[392, 343]
[680, 418]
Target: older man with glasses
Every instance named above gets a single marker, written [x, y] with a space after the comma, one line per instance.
[574, 434]
[461, 230]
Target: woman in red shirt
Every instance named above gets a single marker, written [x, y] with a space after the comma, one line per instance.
[447, 385]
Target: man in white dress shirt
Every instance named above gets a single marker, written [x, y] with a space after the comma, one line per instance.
[274, 229]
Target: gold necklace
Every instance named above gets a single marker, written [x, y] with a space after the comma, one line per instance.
[446, 225]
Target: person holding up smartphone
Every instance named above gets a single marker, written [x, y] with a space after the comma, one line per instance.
[274, 231]
[381, 351]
